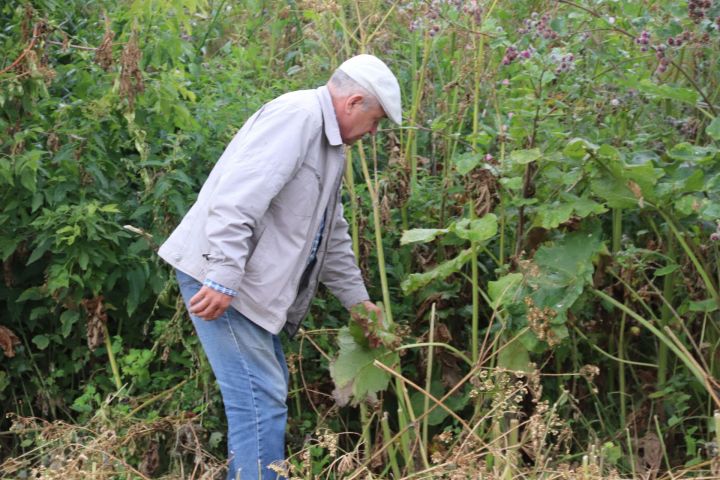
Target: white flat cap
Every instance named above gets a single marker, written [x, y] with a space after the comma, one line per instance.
[372, 74]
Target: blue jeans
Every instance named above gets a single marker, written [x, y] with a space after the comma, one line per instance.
[250, 368]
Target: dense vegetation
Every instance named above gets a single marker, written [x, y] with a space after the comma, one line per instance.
[543, 233]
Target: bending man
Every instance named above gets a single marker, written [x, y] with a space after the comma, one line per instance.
[266, 228]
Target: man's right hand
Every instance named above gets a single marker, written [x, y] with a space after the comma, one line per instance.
[209, 304]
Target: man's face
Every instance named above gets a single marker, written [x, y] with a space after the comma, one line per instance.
[357, 120]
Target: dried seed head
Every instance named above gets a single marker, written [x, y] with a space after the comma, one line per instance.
[96, 320]
[131, 81]
[103, 54]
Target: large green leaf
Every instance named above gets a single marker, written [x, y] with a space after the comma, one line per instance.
[353, 371]
[503, 290]
[551, 215]
[553, 281]
[477, 230]
[585, 207]
[680, 94]
[565, 269]
[514, 356]
[681, 180]
[577, 148]
[615, 192]
[686, 152]
[523, 157]
[416, 281]
[465, 162]
[421, 235]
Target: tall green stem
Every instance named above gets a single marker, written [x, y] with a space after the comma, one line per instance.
[693, 258]
[392, 451]
[405, 437]
[475, 301]
[350, 185]
[111, 357]
[428, 374]
[366, 434]
[616, 230]
[622, 382]
[378, 235]
[411, 142]
[687, 360]
[666, 315]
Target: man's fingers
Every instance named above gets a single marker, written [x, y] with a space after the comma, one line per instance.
[209, 304]
[208, 308]
[200, 305]
[210, 313]
[199, 296]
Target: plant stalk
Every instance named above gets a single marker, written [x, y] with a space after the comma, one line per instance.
[392, 452]
[428, 375]
[378, 236]
[111, 357]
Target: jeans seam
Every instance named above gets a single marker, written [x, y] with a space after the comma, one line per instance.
[226, 317]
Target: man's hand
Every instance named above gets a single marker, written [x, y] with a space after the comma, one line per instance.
[369, 317]
[209, 304]
[361, 312]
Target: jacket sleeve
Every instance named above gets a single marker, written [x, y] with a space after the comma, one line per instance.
[263, 158]
[340, 273]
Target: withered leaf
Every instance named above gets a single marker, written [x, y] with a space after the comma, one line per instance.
[8, 340]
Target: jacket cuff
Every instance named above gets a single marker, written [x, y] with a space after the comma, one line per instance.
[226, 276]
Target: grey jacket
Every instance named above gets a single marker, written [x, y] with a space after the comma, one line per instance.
[253, 224]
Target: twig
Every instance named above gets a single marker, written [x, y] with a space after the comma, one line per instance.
[427, 395]
[159, 396]
[36, 35]
[79, 47]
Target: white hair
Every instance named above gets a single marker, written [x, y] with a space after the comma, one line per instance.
[344, 86]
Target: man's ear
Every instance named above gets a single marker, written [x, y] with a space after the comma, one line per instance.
[354, 101]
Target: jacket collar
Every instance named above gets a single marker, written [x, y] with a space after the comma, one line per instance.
[332, 129]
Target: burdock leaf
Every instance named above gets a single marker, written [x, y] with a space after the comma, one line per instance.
[502, 291]
[686, 152]
[565, 268]
[666, 91]
[514, 356]
[523, 157]
[416, 281]
[477, 230]
[465, 162]
[577, 148]
[553, 215]
[353, 370]
[421, 235]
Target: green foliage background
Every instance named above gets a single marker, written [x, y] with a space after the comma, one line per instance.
[559, 206]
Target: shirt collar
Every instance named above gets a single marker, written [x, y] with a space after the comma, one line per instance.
[332, 129]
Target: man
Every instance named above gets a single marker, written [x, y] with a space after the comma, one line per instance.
[266, 228]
